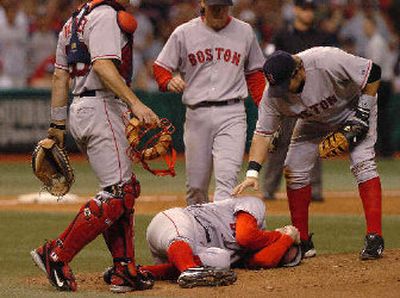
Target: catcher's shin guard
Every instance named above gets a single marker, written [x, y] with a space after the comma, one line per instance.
[95, 217]
[120, 236]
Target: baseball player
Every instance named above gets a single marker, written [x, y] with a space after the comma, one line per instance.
[215, 55]
[325, 88]
[198, 244]
[95, 51]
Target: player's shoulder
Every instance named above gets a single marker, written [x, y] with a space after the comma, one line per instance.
[249, 201]
[103, 11]
[321, 57]
[189, 25]
[241, 24]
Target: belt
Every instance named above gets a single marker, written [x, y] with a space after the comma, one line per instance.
[88, 93]
[208, 103]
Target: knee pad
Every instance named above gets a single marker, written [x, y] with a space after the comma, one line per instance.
[296, 180]
[364, 171]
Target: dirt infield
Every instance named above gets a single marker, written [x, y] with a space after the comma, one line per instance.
[325, 275]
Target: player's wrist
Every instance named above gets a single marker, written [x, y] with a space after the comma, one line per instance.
[253, 169]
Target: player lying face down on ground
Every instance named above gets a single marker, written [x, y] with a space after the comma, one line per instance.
[334, 97]
[198, 245]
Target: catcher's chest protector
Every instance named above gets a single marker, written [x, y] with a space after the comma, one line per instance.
[77, 51]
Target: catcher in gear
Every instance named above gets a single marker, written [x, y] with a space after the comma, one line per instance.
[327, 90]
[198, 245]
[95, 51]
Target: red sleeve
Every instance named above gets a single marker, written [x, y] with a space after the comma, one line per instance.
[256, 84]
[162, 76]
[249, 236]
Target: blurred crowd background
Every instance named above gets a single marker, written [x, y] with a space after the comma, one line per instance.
[29, 31]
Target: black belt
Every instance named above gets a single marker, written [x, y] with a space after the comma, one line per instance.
[88, 93]
[208, 103]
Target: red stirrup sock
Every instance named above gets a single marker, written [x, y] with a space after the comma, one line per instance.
[371, 196]
[180, 254]
[299, 201]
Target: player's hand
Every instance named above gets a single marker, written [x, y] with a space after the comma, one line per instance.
[291, 231]
[145, 114]
[248, 182]
[176, 85]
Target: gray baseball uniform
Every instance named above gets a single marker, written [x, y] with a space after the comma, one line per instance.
[334, 80]
[213, 64]
[95, 116]
[203, 226]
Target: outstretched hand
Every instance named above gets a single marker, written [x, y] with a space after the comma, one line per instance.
[248, 182]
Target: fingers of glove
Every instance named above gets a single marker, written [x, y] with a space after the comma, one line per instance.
[58, 135]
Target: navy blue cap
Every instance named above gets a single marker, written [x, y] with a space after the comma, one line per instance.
[278, 69]
[219, 2]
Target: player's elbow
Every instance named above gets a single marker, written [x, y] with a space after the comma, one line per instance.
[244, 239]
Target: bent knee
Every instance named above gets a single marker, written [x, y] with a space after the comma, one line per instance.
[296, 179]
[364, 170]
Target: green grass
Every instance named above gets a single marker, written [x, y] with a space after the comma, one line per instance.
[17, 178]
[22, 231]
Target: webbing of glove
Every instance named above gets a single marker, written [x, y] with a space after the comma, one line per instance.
[51, 165]
[342, 141]
[158, 145]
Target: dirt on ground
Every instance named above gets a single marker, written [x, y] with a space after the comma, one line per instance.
[341, 275]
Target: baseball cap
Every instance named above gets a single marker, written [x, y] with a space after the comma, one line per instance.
[278, 69]
[219, 2]
[305, 3]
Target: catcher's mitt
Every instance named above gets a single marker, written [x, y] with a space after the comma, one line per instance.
[158, 145]
[50, 164]
[342, 141]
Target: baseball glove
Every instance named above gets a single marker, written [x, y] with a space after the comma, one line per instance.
[157, 145]
[342, 141]
[50, 164]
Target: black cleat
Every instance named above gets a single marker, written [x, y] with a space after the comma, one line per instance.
[373, 247]
[59, 274]
[307, 248]
[122, 280]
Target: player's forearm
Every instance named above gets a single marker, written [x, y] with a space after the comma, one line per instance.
[59, 96]
[259, 148]
[112, 80]
[249, 236]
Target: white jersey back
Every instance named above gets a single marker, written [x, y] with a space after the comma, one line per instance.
[334, 80]
[212, 63]
[215, 222]
[100, 32]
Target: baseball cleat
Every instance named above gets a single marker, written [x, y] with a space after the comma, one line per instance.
[206, 277]
[122, 280]
[373, 247]
[59, 274]
[307, 248]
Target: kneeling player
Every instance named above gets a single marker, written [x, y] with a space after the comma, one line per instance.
[198, 244]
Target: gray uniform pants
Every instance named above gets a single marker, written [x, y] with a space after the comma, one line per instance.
[275, 163]
[98, 129]
[215, 138]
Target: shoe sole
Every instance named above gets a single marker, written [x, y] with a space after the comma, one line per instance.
[310, 253]
[121, 289]
[211, 279]
[38, 261]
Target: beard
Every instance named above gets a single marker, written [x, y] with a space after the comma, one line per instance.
[301, 87]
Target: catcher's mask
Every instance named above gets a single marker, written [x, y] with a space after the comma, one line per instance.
[144, 147]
